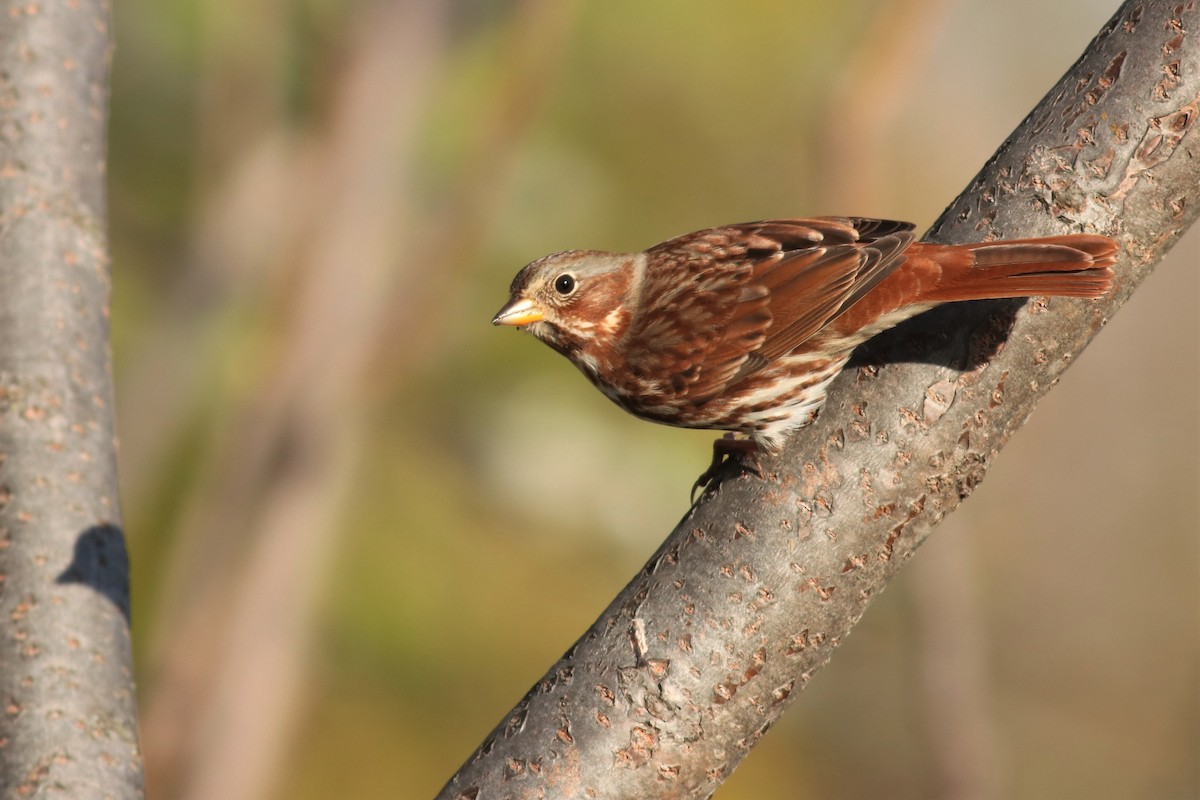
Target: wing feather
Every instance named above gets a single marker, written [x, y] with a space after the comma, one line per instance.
[720, 304]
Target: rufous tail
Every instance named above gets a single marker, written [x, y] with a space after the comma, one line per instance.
[1078, 265]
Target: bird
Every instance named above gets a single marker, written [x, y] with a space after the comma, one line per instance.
[742, 327]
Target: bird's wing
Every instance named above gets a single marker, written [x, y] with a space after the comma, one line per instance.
[720, 304]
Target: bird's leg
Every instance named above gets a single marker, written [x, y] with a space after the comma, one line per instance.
[729, 446]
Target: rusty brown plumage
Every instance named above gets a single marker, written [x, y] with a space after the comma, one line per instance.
[742, 327]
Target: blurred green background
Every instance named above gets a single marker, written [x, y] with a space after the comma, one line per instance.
[363, 521]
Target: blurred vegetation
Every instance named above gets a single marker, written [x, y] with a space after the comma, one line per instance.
[363, 522]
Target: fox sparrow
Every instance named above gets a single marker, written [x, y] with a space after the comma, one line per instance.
[742, 327]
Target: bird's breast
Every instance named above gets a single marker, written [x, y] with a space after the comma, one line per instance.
[640, 395]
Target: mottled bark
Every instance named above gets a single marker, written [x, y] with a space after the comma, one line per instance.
[67, 723]
[761, 581]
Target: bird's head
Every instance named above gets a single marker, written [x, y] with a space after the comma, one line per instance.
[575, 301]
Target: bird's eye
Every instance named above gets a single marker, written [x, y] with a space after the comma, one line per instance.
[564, 284]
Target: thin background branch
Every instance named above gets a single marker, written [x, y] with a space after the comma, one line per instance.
[68, 725]
[234, 644]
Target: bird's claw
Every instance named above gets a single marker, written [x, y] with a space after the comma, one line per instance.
[724, 450]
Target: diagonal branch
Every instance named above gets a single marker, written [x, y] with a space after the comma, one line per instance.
[760, 582]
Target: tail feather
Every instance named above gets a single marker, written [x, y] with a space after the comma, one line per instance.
[1063, 266]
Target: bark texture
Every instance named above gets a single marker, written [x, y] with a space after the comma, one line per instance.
[67, 722]
[760, 582]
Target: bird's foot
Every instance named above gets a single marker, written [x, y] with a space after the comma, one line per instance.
[725, 450]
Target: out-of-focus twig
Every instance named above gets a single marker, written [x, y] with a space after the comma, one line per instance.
[235, 643]
[417, 301]
[248, 195]
[861, 112]
[226, 693]
[952, 657]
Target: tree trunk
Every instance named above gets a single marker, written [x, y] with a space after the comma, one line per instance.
[759, 583]
[68, 723]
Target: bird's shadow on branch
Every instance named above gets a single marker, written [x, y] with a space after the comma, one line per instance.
[960, 336]
[101, 562]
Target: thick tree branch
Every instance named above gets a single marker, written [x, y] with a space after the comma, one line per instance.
[760, 582]
[67, 725]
